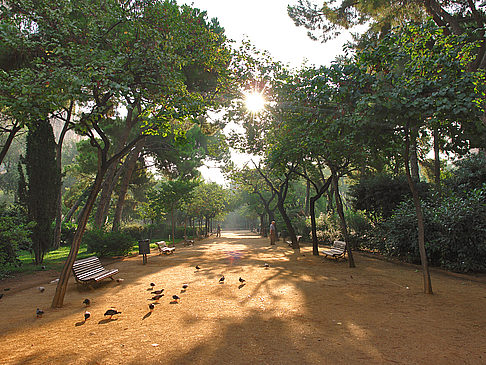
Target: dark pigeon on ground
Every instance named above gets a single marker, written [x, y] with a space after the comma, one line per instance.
[151, 307]
[157, 297]
[176, 297]
[87, 315]
[111, 312]
[152, 284]
[266, 265]
[185, 286]
[86, 302]
[197, 267]
[241, 280]
[222, 279]
[39, 313]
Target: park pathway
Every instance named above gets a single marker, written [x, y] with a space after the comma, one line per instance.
[301, 309]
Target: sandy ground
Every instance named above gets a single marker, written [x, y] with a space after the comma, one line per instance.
[300, 310]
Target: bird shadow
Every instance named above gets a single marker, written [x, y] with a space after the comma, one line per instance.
[107, 320]
[183, 291]
[174, 302]
[241, 285]
[80, 323]
[147, 315]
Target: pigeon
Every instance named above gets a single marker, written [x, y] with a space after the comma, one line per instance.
[157, 297]
[111, 312]
[185, 286]
[176, 297]
[86, 302]
[197, 267]
[152, 284]
[41, 289]
[151, 307]
[43, 267]
[39, 313]
[221, 281]
[120, 280]
[86, 315]
[266, 265]
[157, 291]
[241, 280]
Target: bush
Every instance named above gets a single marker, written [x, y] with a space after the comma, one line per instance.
[68, 229]
[379, 196]
[134, 230]
[108, 243]
[469, 174]
[15, 232]
[455, 233]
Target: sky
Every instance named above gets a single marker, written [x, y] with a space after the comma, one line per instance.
[266, 24]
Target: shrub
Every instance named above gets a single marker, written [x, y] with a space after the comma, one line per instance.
[455, 233]
[134, 230]
[15, 232]
[108, 243]
[379, 196]
[468, 174]
[68, 229]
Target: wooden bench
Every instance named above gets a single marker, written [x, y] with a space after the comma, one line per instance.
[164, 249]
[337, 250]
[299, 238]
[90, 270]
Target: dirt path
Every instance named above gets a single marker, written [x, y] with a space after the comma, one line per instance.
[300, 310]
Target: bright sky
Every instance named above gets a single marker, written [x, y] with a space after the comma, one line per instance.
[266, 24]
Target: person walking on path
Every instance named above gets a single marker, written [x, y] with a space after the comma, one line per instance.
[218, 231]
[273, 233]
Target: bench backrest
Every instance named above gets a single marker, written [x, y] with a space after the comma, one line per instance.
[89, 264]
[340, 245]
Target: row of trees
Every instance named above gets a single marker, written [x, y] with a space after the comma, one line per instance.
[129, 77]
[370, 112]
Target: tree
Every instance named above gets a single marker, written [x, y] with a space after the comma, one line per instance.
[136, 55]
[419, 77]
[43, 185]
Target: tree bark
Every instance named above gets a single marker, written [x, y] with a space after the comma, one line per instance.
[131, 164]
[414, 166]
[58, 299]
[420, 217]
[307, 198]
[58, 225]
[13, 132]
[437, 163]
[342, 219]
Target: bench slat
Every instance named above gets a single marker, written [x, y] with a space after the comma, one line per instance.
[90, 269]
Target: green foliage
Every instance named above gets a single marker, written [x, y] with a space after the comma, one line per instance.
[43, 184]
[15, 231]
[67, 233]
[379, 195]
[455, 233]
[106, 244]
[469, 173]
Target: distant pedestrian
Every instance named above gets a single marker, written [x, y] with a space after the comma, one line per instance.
[218, 231]
[273, 233]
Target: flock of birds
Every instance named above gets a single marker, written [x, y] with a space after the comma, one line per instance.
[158, 294]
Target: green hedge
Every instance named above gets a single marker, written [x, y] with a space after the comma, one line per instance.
[108, 243]
[455, 233]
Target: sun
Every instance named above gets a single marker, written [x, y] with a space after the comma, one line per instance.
[254, 102]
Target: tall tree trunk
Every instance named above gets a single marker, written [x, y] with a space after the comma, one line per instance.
[414, 166]
[130, 164]
[342, 219]
[13, 132]
[58, 299]
[312, 211]
[58, 226]
[420, 217]
[173, 225]
[262, 223]
[437, 162]
[307, 199]
[76, 205]
[288, 223]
